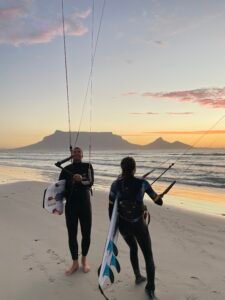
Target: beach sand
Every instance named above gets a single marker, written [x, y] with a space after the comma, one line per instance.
[188, 248]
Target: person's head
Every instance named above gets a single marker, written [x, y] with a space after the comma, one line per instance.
[128, 166]
[77, 154]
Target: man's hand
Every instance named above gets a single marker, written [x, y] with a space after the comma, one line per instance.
[57, 212]
[77, 177]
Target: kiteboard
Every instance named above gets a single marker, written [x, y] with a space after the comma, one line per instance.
[53, 197]
[109, 260]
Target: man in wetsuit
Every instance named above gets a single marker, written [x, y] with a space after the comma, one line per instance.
[130, 190]
[79, 178]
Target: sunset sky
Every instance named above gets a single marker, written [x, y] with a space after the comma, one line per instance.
[159, 69]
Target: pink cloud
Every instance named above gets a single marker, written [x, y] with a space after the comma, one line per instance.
[212, 97]
[75, 27]
[83, 14]
[27, 28]
[45, 35]
[11, 12]
[148, 94]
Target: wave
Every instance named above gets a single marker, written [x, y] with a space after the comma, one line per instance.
[196, 169]
[197, 184]
[209, 165]
[204, 154]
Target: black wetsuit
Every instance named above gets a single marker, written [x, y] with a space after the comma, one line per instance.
[130, 192]
[78, 206]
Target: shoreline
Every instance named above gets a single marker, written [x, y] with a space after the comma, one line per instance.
[205, 201]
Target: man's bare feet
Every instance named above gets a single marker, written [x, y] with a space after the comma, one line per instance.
[73, 268]
[85, 266]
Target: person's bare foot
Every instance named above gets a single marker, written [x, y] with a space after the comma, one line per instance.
[85, 266]
[73, 268]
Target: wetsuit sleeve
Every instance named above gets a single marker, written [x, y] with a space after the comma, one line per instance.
[152, 194]
[63, 175]
[89, 181]
[112, 197]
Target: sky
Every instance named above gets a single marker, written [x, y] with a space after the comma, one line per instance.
[158, 69]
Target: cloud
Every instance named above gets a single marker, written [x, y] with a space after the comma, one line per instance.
[130, 94]
[144, 113]
[11, 12]
[186, 113]
[180, 113]
[209, 97]
[83, 14]
[22, 25]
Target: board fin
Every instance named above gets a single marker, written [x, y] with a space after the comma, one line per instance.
[115, 263]
[108, 273]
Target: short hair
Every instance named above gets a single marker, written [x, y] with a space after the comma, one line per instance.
[75, 148]
[128, 165]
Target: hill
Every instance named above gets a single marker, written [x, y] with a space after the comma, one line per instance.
[59, 140]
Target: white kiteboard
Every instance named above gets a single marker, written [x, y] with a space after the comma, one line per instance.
[53, 197]
[109, 260]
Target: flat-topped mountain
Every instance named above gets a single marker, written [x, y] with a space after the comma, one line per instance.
[59, 140]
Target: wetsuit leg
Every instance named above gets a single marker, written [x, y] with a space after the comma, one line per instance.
[144, 241]
[72, 224]
[126, 232]
[85, 218]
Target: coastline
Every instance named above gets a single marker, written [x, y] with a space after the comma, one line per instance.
[196, 199]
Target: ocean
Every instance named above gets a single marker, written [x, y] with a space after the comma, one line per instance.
[196, 167]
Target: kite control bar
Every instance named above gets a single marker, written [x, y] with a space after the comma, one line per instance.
[168, 189]
[163, 173]
[59, 163]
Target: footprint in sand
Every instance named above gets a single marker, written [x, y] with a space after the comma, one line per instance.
[51, 279]
[26, 257]
[55, 256]
[197, 279]
[38, 265]
[194, 277]
[215, 292]
[43, 269]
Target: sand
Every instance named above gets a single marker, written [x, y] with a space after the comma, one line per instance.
[188, 247]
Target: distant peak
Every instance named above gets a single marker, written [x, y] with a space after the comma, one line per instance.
[160, 139]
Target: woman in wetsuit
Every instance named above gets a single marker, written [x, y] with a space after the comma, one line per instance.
[130, 191]
[78, 207]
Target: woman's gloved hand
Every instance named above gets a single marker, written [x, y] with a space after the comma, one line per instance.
[158, 200]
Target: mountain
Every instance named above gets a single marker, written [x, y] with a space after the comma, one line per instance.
[59, 140]
[164, 145]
